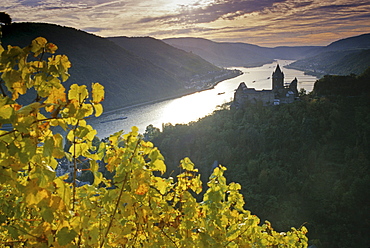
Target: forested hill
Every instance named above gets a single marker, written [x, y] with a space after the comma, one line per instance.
[342, 57]
[300, 163]
[128, 78]
[355, 42]
[238, 54]
[349, 86]
[221, 54]
[185, 65]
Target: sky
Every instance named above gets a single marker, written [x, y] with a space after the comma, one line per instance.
[266, 23]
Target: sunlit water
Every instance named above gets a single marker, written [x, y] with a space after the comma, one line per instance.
[192, 107]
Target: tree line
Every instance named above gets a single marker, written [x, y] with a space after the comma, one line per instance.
[305, 163]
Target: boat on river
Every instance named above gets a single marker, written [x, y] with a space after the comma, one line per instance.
[116, 119]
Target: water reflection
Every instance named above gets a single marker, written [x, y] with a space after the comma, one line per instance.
[192, 107]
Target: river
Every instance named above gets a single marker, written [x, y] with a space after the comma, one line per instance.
[195, 106]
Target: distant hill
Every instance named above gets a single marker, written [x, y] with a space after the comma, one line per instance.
[349, 85]
[221, 54]
[128, 77]
[238, 54]
[344, 62]
[356, 42]
[184, 65]
[342, 57]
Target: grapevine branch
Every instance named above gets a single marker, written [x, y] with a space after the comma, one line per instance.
[1, 88]
[165, 234]
[119, 197]
[237, 237]
[75, 159]
[74, 169]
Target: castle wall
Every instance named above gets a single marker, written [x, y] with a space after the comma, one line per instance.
[250, 95]
[278, 95]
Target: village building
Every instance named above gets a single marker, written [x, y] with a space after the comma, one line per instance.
[279, 94]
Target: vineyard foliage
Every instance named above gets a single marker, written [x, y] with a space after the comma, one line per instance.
[137, 208]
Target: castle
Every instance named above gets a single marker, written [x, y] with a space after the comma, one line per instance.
[279, 94]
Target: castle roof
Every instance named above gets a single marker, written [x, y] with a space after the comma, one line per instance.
[277, 71]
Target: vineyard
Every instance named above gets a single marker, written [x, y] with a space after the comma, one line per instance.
[137, 208]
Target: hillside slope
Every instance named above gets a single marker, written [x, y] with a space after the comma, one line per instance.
[238, 54]
[342, 57]
[355, 42]
[128, 77]
[335, 63]
[185, 66]
[218, 53]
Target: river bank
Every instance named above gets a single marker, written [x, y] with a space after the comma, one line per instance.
[192, 106]
[211, 86]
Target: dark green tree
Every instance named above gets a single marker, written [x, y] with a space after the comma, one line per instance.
[5, 18]
[151, 132]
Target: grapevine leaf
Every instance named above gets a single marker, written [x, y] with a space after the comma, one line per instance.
[159, 165]
[78, 93]
[56, 95]
[97, 93]
[38, 45]
[142, 189]
[94, 166]
[160, 184]
[98, 109]
[6, 112]
[84, 111]
[51, 48]
[47, 215]
[65, 236]
[58, 151]
[78, 149]
[48, 146]
[98, 177]
[186, 164]
[81, 132]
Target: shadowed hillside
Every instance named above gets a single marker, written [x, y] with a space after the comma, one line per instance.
[238, 54]
[185, 65]
[128, 78]
[342, 57]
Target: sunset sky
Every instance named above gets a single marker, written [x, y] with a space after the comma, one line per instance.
[261, 22]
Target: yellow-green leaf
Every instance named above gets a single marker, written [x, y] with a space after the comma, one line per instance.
[65, 236]
[159, 165]
[161, 184]
[78, 93]
[98, 109]
[97, 93]
[6, 112]
[79, 149]
[38, 45]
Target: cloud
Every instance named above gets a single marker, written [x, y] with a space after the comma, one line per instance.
[93, 29]
[253, 21]
[227, 9]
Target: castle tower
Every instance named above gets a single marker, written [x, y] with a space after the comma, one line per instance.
[277, 79]
[294, 87]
